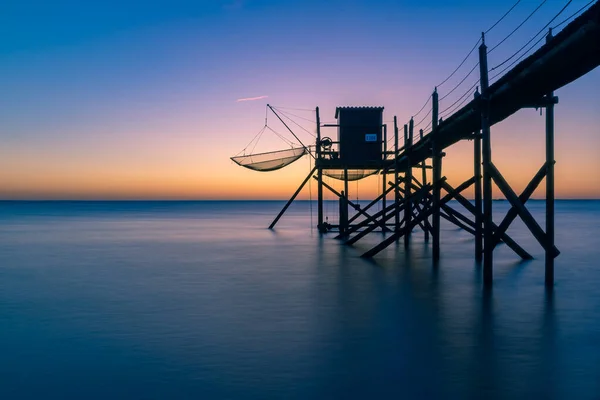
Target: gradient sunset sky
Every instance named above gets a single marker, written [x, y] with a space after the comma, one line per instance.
[139, 100]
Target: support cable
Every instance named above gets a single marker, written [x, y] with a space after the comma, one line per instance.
[280, 136]
[532, 39]
[519, 26]
[457, 101]
[501, 18]
[424, 105]
[423, 119]
[295, 123]
[294, 109]
[461, 82]
[295, 115]
[573, 15]
[461, 64]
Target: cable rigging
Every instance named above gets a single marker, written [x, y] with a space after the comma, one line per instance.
[519, 26]
[531, 40]
[501, 18]
[574, 14]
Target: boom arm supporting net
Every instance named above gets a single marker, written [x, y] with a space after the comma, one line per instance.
[270, 161]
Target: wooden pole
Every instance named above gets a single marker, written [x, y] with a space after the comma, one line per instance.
[488, 252]
[424, 175]
[320, 226]
[344, 211]
[292, 198]
[396, 182]
[407, 192]
[549, 272]
[384, 181]
[477, 173]
[437, 175]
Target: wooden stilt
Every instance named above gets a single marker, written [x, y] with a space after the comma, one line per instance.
[424, 176]
[384, 176]
[477, 173]
[549, 258]
[488, 255]
[396, 181]
[292, 198]
[320, 226]
[408, 182]
[437, 174]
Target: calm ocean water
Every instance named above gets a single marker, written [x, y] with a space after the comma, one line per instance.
[198, 300]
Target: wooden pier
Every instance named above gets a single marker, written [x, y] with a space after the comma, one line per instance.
[563, 58]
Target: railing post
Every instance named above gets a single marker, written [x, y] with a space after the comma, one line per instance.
[437, 176]
[488, 247]
[549, 270]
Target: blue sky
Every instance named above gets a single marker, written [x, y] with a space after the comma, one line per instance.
[138, 99]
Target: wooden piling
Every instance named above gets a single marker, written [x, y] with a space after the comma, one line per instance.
[477, 194]
[437, 175]
[488, 252]
[424, 176]
[408, 206]
[384, 175]
[549, 259]
[396, 181]
[320, 226]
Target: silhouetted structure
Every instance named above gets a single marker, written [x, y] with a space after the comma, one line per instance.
[362, 139]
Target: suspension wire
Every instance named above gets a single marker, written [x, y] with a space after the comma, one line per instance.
[518, 59]
[461, 63]
[519, 26]
[574, 14]
[260, 132]
[295, 123]
[461, 82]
[428, 125]
[424, 105]
[295, 109]
[501, 18]
[287, 141]
[533, 38]
[463, 99]
[423, 119]
[459, 99]
[464, 60]
[297, 116]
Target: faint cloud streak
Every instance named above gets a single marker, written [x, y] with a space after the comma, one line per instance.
[251, 98]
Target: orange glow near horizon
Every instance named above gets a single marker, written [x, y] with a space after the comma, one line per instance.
[152, 112]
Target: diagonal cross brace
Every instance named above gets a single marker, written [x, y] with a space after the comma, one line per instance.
[292, 198]
[525, 215]
[393, 237]
[505, 238]
[512, 213]
[348, 200]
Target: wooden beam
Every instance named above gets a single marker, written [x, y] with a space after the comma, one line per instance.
[505, 238]
[292, 198]
[525, 215]
[512, 212]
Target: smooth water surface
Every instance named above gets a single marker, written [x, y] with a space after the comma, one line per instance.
[198, 300]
